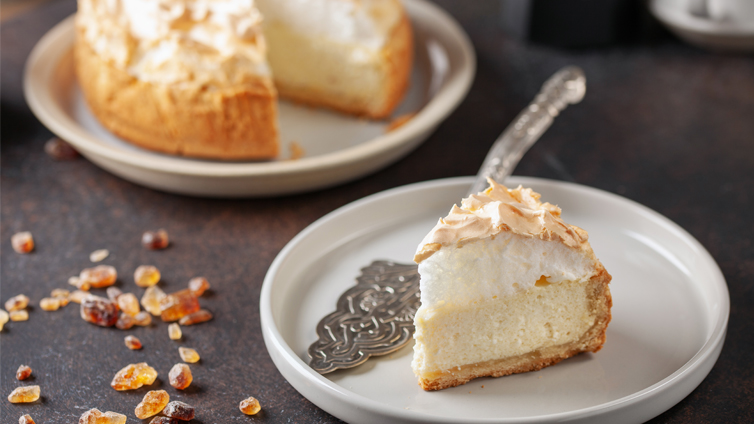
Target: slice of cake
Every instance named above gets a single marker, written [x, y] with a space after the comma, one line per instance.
[350, 55]
[506, 287]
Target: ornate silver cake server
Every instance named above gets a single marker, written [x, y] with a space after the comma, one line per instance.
[376, 316]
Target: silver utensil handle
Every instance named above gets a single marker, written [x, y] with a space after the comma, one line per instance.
[566, 87]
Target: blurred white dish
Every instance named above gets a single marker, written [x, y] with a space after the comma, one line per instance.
[337, 148]
[704, 31]
[670, 314]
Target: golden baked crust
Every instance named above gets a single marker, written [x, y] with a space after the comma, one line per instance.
[591, 341]
[396, 62]
[233, 123]
[399, 56]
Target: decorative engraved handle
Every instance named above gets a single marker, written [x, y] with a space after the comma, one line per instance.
[376, 316]
[567, 86]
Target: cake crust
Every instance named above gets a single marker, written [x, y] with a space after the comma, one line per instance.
[233, 123]
[591, 341]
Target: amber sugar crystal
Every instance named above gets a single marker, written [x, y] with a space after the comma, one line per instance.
[22, 242]
[99, 311]
[4, 318]
[152, 404]
[155, 239]
[146, 276]
[124, 322]
[24, 372]
[60, 293]
[24, 394]
[132, 342]
[174, 331]
[95, 416]
[21, 315]
[49, 304]
[177, 305]
[198, 285]
[250, 406]
[180, 376]
[99, 255]
[133, 376]
[129, 304]
[98, 277]
[197, 317]
[151, 300]
[59, 149]
[188, 355]
[79, 283]
[16, 303]
[165, 420]
[26, 419]
[143, 319]
[179, 410]
[78, 296]
[113, 293]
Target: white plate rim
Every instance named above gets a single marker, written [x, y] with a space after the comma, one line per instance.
[47, 53]
[688, 22]
[684, 380]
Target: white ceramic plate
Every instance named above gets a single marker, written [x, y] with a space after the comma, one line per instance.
[670, 314]
[703, 32]
[337, 148]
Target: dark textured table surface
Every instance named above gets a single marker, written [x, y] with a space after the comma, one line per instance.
[665, 124]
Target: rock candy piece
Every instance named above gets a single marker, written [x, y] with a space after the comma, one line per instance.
[99, 311]
[133, 376]
[152, 404]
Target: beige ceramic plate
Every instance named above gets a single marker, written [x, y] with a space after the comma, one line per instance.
[337, 148]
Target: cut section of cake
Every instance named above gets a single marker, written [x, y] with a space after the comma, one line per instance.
[350, 55]
[506, 287]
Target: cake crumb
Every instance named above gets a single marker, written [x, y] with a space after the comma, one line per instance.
[399, 121]
[297, 152]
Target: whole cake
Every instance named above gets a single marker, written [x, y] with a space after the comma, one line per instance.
[506, 287]
[196, 77]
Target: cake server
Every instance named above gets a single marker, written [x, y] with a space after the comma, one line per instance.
[376, 316]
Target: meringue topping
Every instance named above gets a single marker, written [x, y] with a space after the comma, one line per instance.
[209, 43]
[364, 22]
[499, 209]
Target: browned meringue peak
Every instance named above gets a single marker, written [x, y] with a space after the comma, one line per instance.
[499, 209]
[196, 43]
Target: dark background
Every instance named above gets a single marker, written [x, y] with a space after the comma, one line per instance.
[663, 123]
